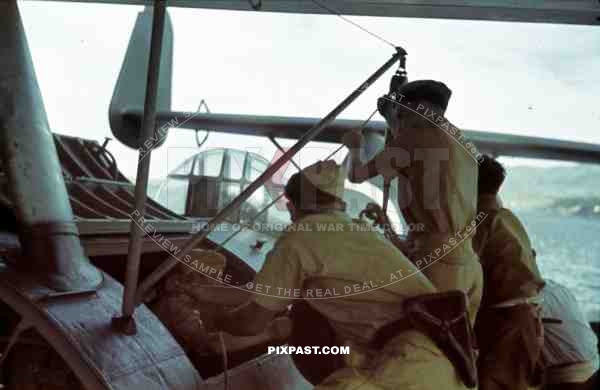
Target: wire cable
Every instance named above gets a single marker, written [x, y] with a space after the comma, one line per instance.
[338, 14]
[362, 126]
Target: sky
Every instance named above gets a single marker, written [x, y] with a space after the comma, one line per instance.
[529, 79]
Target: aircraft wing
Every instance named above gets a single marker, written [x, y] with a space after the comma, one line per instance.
[585, 12]
[498, 144]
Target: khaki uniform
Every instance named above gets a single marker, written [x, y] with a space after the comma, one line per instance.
[345, 274]
[438, 198]
[509, 338]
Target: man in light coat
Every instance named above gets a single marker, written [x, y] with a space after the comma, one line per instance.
[436, 167]
[356, 279]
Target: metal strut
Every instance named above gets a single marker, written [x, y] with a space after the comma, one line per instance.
[398, 80]
[198, 237]
[126, 323]
[51, 250]
[274, 201]
[282, 150]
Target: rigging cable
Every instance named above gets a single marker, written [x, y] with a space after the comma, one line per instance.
[257, 6]
[220, 246]
[362, 127]
[338, 14]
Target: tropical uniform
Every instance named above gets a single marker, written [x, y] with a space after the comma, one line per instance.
[508, 327]
[438, 197]
[357, 280]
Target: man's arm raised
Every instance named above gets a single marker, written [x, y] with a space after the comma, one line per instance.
[389, 162]
[359, 171]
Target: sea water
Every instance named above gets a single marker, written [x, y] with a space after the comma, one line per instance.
[568, 251]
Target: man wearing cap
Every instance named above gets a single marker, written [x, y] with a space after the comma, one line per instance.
[436, 169]
[347, 274]
[508, 328]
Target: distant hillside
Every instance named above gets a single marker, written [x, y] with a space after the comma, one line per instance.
[558, 190]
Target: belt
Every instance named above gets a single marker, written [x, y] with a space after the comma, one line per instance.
[389, 331]
[536, 300]
[467, 231]
[431, 241]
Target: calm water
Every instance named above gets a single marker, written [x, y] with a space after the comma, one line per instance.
[569, 252]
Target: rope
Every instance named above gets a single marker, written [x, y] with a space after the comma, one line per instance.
[337, 13]
[375, 213]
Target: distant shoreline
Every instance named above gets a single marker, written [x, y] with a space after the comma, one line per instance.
[588, 207]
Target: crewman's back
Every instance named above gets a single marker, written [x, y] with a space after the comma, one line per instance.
[350, 266]
[358, 280]
[507, 256]
[436, 168]
[443, 188]
[508, 327]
